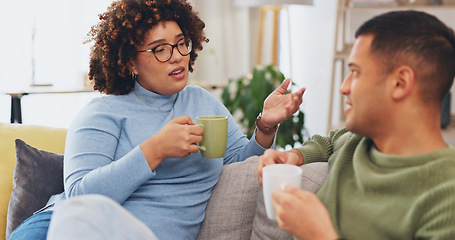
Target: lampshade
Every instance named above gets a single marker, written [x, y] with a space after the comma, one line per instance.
[260, 3]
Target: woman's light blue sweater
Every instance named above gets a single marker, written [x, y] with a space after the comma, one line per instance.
[102, 156]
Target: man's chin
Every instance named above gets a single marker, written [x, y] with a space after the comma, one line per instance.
[352, 128]
[349, 126]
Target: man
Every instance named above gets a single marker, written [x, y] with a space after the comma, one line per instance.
[392, 175]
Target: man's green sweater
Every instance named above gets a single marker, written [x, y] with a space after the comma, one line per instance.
[371, 195]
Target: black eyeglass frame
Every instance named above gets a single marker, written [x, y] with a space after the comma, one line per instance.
[172, 49]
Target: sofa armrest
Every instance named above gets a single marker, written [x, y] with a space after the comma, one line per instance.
[45, 138]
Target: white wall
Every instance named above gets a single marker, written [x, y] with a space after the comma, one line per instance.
[60, 28]
[61, 58]
[5, 108]
[312, 34]
[227, 53]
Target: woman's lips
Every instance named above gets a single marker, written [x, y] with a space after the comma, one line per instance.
[178, 73]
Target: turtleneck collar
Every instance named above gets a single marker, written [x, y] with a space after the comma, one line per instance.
[165, 102]
[398, 161]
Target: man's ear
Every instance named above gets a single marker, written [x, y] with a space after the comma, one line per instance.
[403, 82]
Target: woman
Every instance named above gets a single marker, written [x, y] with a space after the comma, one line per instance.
[138, 144]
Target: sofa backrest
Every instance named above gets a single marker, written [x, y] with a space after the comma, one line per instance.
[44, 138]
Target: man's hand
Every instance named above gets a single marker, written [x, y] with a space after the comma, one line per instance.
[271, 156]
[302, 214]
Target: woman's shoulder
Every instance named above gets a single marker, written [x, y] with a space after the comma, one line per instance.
[105, 106]
[192, 91]
[103, 111]
[195, 89]
[107, 102]
[198, 100]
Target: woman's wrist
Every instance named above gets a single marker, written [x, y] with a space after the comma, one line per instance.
[152, 153]
[264, 128]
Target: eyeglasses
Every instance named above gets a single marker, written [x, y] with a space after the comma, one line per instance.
[163, 52]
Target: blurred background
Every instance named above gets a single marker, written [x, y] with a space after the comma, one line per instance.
[42, 44]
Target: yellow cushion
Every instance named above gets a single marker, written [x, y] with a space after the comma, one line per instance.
[44, 138]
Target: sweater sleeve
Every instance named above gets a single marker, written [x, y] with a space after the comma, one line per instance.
[90, 164]
[434, 213]
[320, 149]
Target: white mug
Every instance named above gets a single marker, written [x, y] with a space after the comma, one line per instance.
[274, 177]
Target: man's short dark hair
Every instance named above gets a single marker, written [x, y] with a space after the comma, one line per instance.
[418, 40]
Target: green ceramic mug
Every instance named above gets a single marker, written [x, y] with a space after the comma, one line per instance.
[214, 138]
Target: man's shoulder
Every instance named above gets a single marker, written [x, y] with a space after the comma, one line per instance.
[446, 159]
[342, 136]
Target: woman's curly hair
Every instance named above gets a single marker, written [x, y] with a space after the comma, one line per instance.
[123, 27]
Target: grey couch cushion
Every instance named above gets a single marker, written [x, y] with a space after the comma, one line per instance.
[236, 208]
[37, 176]
[231, 208]
[313, 175]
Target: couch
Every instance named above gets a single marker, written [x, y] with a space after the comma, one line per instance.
[31, 170]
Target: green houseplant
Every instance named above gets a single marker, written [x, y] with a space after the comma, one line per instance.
[247, 94]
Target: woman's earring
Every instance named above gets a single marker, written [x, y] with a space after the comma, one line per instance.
[133, 76]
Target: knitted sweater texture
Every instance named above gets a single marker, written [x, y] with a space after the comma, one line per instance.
[371, 195]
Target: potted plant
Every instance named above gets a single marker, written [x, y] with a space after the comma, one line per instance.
[247, 94]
